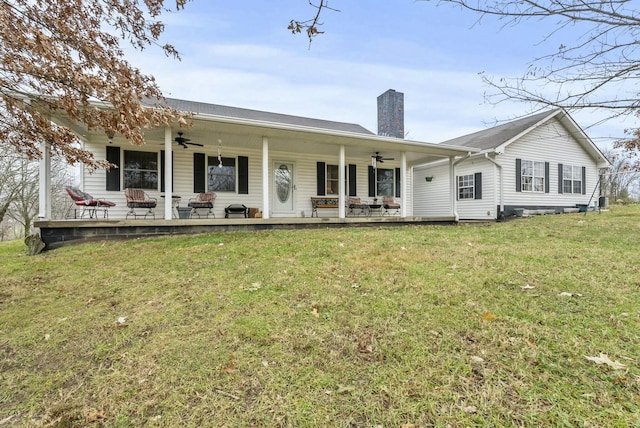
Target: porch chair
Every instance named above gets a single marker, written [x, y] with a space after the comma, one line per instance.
[138, 198]
[203, 201]
[354, 204]
[390, 205]
[88, 203]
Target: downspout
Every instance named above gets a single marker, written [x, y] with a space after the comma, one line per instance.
[501, 196]
[452, 177]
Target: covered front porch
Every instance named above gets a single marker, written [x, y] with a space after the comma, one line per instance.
[58, 233]
[278, 165]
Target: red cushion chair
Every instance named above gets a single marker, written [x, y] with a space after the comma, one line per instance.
[88, 203]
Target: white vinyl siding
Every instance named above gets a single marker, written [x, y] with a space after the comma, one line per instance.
[551, 143]
[432, 198]
[484, 208]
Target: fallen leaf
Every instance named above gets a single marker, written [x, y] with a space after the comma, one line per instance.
[471, 409]
[345, 389]
[403, 248]
[47, 336]
[265, 363]
[565, 294]
[231, 367]
[95, 416]
[488, 316]
[253, 287]
[121, 320]
[477, 359]
[604, 359]
[314, 311]
[527, 287]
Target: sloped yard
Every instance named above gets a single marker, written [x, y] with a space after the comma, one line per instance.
[524, 323]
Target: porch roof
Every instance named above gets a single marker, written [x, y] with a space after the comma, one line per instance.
[245, 128]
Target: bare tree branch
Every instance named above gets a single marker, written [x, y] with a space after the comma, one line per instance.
[310, 26]
[598, 70]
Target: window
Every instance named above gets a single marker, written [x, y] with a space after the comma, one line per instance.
[332, 180]
[384, 182]
[140, 170]
[571, 179]
[221, 178]
[466, 187]
[532, 176]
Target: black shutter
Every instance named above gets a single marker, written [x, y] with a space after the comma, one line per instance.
[478, 185]
[560, 178]
[243, 175]
[457, 189]
[113, 175]
[584, 180]
[546, 177]
[162, 163]
[321, 188]
[398, 183]
[353, 189]
[372, 182]
[518, 175]
[199, 173]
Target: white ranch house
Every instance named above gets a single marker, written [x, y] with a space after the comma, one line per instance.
[277, 163]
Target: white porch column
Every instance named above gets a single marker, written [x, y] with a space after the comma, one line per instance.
[265, 178]
[403, 183]
[44, 206]
[168, 173]
[452, 191]
[342, 212]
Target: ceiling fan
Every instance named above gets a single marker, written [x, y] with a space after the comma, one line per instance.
[377, 158]
[184, 141]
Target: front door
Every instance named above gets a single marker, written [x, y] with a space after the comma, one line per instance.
[283, 189]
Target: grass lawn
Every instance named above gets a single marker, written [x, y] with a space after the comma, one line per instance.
[469, 325]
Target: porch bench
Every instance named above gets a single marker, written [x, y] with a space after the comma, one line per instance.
[322, 202]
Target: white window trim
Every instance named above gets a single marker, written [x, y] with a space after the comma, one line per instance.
[533, 177]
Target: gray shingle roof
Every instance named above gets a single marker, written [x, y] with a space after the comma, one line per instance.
[276, 118]
[498, 135]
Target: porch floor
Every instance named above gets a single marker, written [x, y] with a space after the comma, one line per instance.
[58, 233]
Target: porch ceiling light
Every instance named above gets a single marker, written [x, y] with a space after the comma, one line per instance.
[110, 135]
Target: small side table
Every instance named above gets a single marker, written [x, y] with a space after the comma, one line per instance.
[375, 208]
[175, 203]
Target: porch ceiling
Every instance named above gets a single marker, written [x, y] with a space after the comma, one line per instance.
[244, 133]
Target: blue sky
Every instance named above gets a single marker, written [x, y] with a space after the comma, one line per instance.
[241, 54]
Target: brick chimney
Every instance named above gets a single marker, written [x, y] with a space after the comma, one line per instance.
[391, 114]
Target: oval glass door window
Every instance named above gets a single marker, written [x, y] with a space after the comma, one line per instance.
[283, 183]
